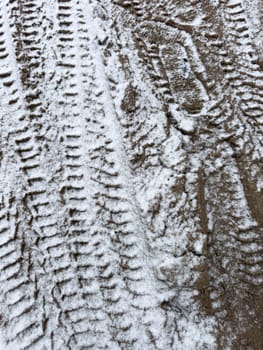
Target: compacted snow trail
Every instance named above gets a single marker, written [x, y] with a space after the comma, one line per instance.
[131, 175]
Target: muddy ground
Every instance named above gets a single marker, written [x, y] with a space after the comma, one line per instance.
[131, 174]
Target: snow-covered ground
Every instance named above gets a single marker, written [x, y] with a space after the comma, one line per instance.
[131, 174]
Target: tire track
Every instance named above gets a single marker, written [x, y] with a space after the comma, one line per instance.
[162, 215]
[119, 216]
[24, 323]
[71, 293]
[233, 269]
[29, 325]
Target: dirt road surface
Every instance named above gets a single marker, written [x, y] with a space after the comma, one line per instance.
[131, 174]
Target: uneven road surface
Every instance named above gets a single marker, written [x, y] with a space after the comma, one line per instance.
[131, 174]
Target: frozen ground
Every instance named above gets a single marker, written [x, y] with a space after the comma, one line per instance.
[131, 174]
